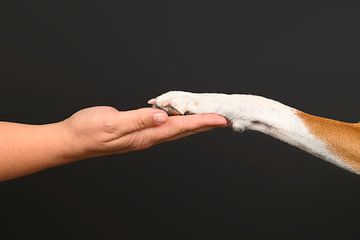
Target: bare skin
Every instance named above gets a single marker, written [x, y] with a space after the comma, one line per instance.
[96, 131]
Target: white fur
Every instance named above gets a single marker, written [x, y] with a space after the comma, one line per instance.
[254, 113]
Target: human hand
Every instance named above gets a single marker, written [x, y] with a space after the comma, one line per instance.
[100, 131]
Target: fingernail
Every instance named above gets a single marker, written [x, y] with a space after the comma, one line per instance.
[160, 117]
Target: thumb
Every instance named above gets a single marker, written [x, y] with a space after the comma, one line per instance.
[135, 120]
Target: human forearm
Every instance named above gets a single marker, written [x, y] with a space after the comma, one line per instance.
[25, 149]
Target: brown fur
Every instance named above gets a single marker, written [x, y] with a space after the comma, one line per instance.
[342, 138]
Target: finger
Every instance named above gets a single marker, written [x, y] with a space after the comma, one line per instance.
[196, 121]
[177, 126]
[200, 130]
[139, 119]
[180, 125]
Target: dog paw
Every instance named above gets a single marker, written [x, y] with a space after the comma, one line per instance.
[179, 103]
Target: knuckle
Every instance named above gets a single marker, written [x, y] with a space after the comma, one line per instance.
[128, 143]
[145, 145]
[109, 126]
[182, 128]
[139, 141]
[141, 121]
[144, 142]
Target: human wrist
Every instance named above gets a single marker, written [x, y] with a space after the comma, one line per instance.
[68, 146]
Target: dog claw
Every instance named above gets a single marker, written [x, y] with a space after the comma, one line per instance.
[152, 101]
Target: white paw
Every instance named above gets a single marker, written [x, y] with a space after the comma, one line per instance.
[177, 102]
[180, 103]
[242, 111]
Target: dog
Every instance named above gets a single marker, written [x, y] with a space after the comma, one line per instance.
[334, 141]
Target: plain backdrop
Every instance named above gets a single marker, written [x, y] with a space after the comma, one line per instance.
[57, 57]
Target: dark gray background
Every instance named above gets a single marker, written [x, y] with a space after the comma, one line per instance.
[60, 56]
